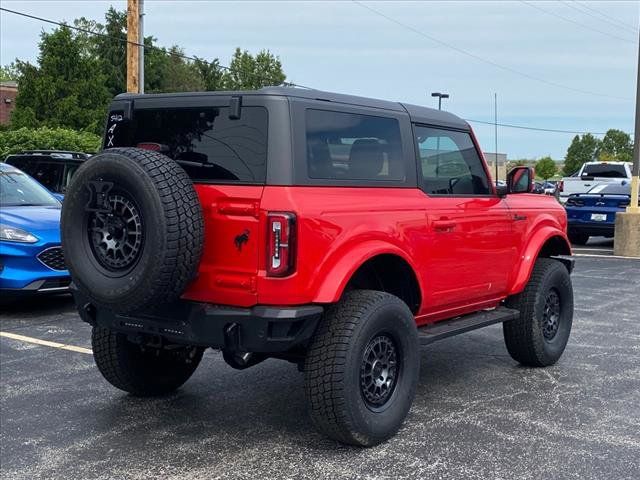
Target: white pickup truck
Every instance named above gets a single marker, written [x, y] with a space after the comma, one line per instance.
[592, 174]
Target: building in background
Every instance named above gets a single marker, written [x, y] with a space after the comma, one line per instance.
[8, 94]
[502, 164]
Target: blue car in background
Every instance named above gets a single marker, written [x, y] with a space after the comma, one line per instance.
[594, 213]
[31, 258]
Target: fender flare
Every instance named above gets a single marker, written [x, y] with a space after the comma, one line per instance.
[531, 254]
[348, 261]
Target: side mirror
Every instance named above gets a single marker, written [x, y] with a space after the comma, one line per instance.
[520, 180]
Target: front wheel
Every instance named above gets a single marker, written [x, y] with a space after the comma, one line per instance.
[539, 336]
[141, 370]
[361, 369]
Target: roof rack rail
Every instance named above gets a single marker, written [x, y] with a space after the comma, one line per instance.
[73, 155]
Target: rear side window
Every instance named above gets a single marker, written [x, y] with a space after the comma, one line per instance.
[604, 170]
[349, 146]
[450, 163]
[204, 140]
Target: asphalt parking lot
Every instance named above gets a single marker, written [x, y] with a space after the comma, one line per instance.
[477, 414]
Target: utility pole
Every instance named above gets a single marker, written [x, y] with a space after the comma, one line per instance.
[133, 52]
[141, 47]
[495, 131]
[626, 240]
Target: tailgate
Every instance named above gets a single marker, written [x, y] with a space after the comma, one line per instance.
[233, 234]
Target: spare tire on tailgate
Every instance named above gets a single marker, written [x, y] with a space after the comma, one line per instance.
[132, 229]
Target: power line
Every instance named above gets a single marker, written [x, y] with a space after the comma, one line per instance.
[538, 129]
[577, 7]
[137, 44]
[485, 60]
[162, 50]
[566, 19]
[634, 28]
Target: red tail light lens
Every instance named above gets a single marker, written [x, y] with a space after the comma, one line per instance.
[281, 238]
[155, 147]
[560, 186]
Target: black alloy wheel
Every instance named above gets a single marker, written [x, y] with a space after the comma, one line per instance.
[116, 237]
[379, 371]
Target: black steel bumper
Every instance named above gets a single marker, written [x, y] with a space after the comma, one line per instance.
[262, 329]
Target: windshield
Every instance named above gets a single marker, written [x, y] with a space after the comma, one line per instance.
[604, 170]
[18, 189]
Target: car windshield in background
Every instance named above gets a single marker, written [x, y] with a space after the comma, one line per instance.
[204, 141]
[611, 189]
[18, 189]
[604, 170]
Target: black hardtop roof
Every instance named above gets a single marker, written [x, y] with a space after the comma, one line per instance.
[417, 113]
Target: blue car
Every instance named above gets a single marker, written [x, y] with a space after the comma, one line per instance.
[594, 213]
[31, 258]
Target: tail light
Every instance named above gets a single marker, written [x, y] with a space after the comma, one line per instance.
[281, 239]
[561, 186]
[154, 147]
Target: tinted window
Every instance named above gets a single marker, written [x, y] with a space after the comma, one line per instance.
[604, 170]
[348, 146]
[47, 173]
[204, 140]
[450, 163]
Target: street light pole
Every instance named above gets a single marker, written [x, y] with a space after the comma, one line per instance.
[440, 97]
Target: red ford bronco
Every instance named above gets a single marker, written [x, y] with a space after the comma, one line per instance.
[336, 232]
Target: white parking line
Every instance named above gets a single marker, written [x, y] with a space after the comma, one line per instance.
[46, 343]
[604, 256]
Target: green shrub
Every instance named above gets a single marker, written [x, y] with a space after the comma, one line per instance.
[44, 138]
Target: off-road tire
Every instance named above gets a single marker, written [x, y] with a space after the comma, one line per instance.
[170, 221]
[578, 238]
[525, 336]
[333, 363]
[142, 371]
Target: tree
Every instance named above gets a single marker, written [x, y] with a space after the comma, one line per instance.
[247, 72]
[44, 138]
[616, 145]
[546, 168]
[9, 73]
[582, 149]
[65, 89]
[78, 72]
[211, 73]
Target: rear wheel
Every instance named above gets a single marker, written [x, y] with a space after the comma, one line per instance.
[361, 369]
[578, 238]
[539, 336]
[141, 370]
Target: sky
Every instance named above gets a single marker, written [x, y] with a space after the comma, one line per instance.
[567, 65]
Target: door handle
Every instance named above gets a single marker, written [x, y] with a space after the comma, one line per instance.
[517, 217]
[444, 225]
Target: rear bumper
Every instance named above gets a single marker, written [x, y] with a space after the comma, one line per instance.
[594, 229]
[260, 329]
